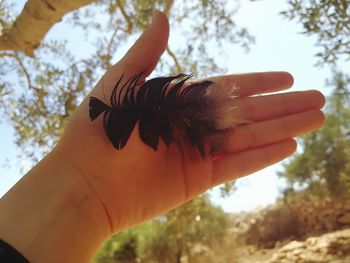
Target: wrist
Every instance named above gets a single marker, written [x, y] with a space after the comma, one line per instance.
[50, 216]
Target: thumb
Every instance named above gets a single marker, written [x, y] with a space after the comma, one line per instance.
[145, 53]
[143, 56]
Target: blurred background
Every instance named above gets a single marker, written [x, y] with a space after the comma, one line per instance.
[295, 211]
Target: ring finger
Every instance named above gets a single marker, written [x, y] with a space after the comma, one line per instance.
[262, 133]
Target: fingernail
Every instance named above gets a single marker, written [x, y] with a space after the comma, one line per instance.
[155, 17]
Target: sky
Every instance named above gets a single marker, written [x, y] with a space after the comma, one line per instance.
[279, 46]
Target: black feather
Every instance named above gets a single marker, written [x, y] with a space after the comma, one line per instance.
[196, 136]
[149, 129]
[118, 125]
[160, 105]
[165, 129]
[96, 107]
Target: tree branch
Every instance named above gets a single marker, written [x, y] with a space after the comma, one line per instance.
[109, 47]
[14, 55]
[35, 20]
[168, 5]
[177, 64]
[126, 17]
[24, 70]
[7, 54]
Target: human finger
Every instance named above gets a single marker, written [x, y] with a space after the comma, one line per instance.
[272, 106]
[145, 53]
[143, 56]
[244, 163]
[266, 132]
[257, 83]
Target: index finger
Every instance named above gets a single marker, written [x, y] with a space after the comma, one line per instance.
[257, 83]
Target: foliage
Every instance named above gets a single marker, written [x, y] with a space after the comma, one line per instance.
[323, 167]
[170, 237]
[269, 225]
[42, 91]
[329, 20]
[121, 247]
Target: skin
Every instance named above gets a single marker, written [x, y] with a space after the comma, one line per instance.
[85, 190]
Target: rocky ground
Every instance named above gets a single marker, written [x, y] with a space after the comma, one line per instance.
[302, 233]
[331, 247]
[306, 233]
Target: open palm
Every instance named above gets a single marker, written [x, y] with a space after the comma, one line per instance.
[137, 183]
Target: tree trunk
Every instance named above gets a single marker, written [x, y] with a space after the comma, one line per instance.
[35, 20]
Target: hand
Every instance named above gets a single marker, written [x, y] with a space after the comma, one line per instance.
[85, 190]
[136, 183]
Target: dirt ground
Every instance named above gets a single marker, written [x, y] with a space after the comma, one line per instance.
[333, 247]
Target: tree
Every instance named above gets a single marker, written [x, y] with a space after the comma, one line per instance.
[42, 80]
[121, 247]
[25, 36]
[329, 20]
[323, 167]
[170, 237]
